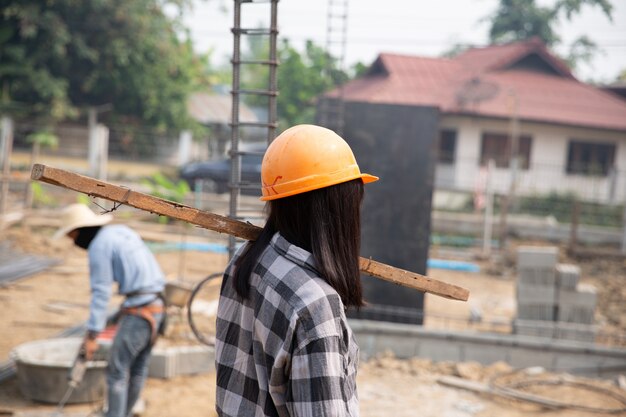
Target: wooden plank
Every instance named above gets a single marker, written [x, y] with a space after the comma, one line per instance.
[221, 224]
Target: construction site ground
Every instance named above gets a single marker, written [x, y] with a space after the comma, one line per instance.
[44, 304]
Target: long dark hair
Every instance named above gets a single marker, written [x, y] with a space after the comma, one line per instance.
[325, 222]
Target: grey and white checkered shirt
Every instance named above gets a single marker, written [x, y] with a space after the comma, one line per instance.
[287, 349]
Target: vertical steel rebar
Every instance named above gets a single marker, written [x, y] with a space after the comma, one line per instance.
[273, 82]
[331, 110]
[235, 168]
[236, 92]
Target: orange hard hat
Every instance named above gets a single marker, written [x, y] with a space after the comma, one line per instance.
[305, 158]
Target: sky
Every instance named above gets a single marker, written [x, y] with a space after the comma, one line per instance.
[412, 27]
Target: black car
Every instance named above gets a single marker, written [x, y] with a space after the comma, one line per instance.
[215, 175]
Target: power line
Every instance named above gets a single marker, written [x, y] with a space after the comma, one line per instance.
[395, 41]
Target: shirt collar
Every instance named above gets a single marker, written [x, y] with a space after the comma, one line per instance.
[294, 253]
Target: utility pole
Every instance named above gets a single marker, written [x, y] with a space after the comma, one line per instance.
[6, 141]
[488, 221]
[623, 248]
[508, 200]
[98, 142]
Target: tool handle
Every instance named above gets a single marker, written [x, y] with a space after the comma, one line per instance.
[78, 369]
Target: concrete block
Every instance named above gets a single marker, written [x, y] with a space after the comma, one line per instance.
[195, 360]
[573, 361]
[536, 311]
[537, 257]
[535, 294]
[537, 328]
[577, 306]
[402, 347]
[575, 314]
[483, 353]
[438, 350]
[181, 360]
[162, 364]
[576, 332]
[537, 276]
[567, 276]
[523, 357]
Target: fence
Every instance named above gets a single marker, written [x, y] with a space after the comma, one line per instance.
[601, 186]
[544, 201]
[125, 143]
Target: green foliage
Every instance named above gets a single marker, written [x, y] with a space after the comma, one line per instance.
[454, 50]
[83, 199]
[561, 207]
[359, 69]
[302, 77]
[581, 50]
[60, 55]
[44, 139]
[517, 20]
[557, 205]
[162, 187]
[41, 198]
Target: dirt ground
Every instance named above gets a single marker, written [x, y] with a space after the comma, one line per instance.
[46, 303]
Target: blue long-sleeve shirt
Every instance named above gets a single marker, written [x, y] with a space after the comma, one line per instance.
[117, 254]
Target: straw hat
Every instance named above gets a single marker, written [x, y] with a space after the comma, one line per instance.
[79, 215]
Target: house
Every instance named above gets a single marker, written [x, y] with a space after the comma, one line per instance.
[214, 110]
[571, 135]
[428, 126]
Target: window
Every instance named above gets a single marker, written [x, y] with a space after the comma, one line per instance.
[589, 158]
[446, 146]
[497, 146]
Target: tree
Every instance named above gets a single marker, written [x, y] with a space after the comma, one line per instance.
[517, 20]
[59, 56]
[302, 77]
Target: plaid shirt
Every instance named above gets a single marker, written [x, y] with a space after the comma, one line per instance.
[287, 349]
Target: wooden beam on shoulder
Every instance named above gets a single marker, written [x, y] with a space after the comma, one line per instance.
[222, 224]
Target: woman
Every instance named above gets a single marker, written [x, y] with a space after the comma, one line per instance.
[284, 347]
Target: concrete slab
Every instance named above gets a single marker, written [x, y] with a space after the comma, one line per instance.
[520, 350]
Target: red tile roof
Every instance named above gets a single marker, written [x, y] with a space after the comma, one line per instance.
[486, 81]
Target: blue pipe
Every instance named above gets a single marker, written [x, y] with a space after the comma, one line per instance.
[452, 265]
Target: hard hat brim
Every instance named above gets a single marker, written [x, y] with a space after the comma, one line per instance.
[366, 178]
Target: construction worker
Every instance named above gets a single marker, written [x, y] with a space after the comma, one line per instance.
[283, 344]
[117, 254]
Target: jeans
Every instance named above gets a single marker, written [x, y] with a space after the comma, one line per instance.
[128, 364]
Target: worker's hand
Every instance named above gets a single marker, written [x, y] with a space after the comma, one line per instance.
[89, 347]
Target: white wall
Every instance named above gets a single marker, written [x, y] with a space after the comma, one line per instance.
[548, 159]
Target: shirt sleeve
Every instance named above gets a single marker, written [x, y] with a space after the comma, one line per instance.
[101, 280]
[317, 382]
